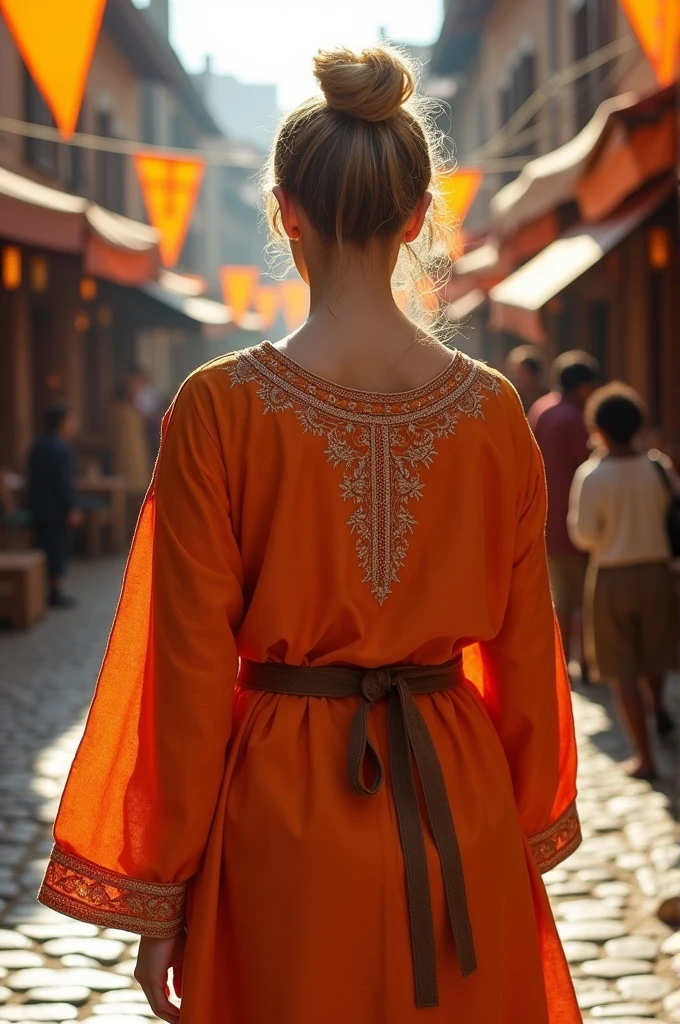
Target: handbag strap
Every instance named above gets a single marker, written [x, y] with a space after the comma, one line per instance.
[655, 457]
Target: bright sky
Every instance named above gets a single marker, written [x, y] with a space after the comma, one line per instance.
[274, 40]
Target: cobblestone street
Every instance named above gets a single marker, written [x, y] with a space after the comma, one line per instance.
[626, 963]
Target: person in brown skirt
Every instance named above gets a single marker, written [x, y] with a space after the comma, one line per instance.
[618, 509]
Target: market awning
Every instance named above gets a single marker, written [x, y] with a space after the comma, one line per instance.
[182, 294]
[633, 137]
[515, 303]
[37, 215]
[482, 260]
[112, 246]
[119, 249]
[627, 159]
[201, 310]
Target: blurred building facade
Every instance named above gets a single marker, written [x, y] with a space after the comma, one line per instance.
[246, 112]
[82, 295]
[570, 242]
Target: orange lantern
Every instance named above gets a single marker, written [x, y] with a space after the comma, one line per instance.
[81, 321]
[11, 267]
[658, 247]
[105, 316]
[40, 275]
[88, 289]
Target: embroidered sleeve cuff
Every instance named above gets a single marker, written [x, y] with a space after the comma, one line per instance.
[558, 841]
[80, 889]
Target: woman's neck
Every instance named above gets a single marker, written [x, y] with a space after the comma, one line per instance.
[359, 288]
[355, 334]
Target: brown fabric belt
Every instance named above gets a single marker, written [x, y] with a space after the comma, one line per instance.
[408, 740]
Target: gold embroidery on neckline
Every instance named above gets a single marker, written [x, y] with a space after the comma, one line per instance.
[379, 440]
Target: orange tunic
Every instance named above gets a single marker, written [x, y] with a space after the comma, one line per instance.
[293, 520]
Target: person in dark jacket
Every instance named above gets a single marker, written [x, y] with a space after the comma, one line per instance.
[53, 497]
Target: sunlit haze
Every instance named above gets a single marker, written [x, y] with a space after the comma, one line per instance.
[272, 41]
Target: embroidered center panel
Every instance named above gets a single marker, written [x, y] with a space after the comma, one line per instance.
[381, 441]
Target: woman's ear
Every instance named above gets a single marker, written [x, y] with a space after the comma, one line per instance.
[414, 224]
[289, 214]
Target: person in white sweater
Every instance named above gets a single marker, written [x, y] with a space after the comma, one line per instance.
[617, 512]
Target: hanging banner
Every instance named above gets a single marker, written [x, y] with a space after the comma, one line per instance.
[458, 190]
[656, 23]
[239, 287]
[267, 300]
[170, 188]
[56, 39]
[295, 303]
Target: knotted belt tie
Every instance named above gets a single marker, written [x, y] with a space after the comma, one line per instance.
[409, 741]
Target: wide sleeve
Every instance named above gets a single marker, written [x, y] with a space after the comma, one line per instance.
[522, 676]
[136, 812]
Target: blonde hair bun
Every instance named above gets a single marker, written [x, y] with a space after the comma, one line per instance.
[370, 86]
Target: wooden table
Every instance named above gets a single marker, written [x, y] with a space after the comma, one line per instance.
[114, 489]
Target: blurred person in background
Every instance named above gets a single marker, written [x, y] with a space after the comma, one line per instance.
[559, 426]
[524, 368]
[130, 442]
[618, 512]
[147, 402]
[345, 532]
[52, 496]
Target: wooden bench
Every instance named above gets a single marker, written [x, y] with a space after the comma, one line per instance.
[23, 587]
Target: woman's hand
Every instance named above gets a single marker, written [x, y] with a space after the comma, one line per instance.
[156, 957]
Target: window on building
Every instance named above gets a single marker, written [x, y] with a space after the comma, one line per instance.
[515, 91]
[110, 175]
[593, 27]
[148, 113]
[181, 133]
[73, 162]
[40, 153]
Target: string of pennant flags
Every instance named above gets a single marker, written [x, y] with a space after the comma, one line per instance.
[57, 43]
[243, 292]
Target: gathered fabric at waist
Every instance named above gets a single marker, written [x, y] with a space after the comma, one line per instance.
[409, 743]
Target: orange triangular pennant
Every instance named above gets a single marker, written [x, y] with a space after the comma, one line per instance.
[656, 23]
[56, 41]
[295, 303]
[267, 304]
[170, 187]
[239, 286]
[458, 190]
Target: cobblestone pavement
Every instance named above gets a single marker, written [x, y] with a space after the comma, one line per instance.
[626, 964]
